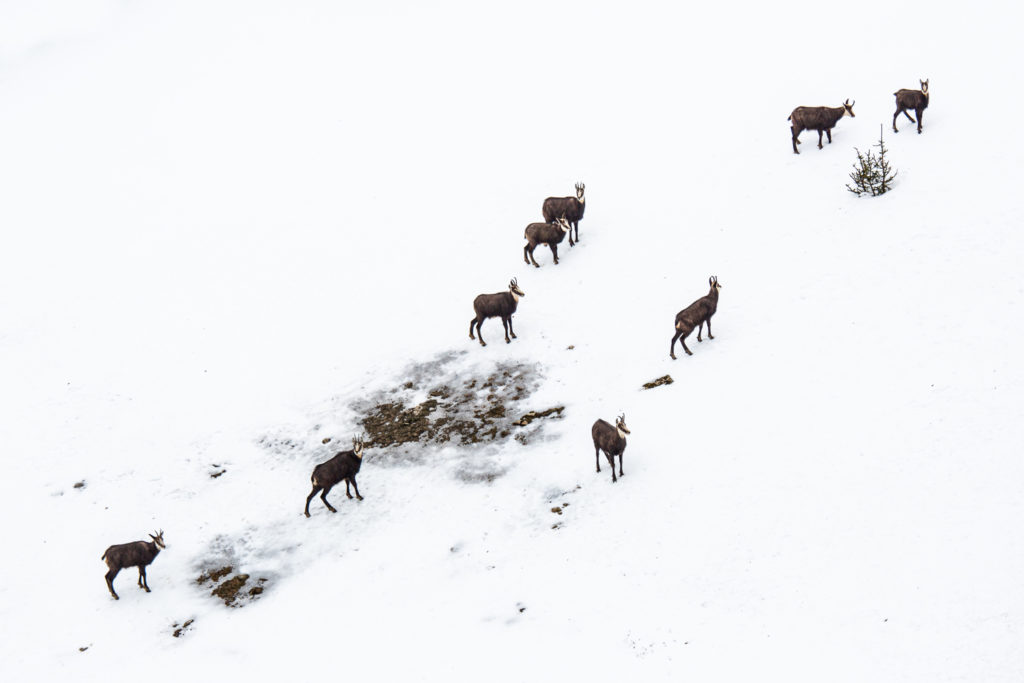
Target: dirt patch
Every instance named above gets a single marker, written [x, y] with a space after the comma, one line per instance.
[661, 381]
[534, 415]
[450, 406]
[180, 630]
[214, 575]
[234, 591]
[438, 407]
[228, 590]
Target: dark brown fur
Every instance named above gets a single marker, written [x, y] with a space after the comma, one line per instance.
[342, 467]
[911, 99]
[501, 305]
[607, 439]
[550, 234]
[137, 554]
[571, 208]
[695, 315]
[821, 119]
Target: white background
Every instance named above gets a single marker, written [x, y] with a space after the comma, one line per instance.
[228, 220]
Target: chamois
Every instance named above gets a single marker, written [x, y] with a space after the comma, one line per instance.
[138, 554]
[611, 440]
[343, 466]
[695, 315]
[821, 119]
[502, 304]
[911, 99]
[550, 234]
[571, 208]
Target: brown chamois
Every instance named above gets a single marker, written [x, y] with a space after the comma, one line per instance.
[138, 554]
[501, 305]
[911, 99]
[695, 315]
[821, 119]
[550, 234]
[611, 440]
[343, 466]
[571, 208]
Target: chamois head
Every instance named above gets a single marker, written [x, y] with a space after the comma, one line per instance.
[713, 281]
[579, 191]
[924, 87]
[357, 446]
[848, 108]
[159, 539]
[563, 224]
[514, 288]
[620, 425]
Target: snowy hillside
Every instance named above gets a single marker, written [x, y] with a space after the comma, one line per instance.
[235, 231]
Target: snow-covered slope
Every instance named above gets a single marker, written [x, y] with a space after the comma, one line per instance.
[227, 224]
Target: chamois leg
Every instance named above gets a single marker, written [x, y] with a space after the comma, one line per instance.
[819, 139]
[506, 322]
[354, 485]
[700, 328]
[511, 331]
[554, 252]
[323, 497]
[471, 323]
[532, 258]
[597, 457]
[907, 113]
[576, 225]
[479, 333]
[894, 117]
[110, 581]
[920, 120]
[611, 461]
[710, 336]
[828, 131]
[796, 140]
[310, 497]
[682, 340]
[621, 473]
[672, 349]
[143, 583]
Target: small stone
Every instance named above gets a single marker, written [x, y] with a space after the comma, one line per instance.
[666, 379]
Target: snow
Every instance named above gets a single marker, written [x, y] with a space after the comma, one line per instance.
[227, 222]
